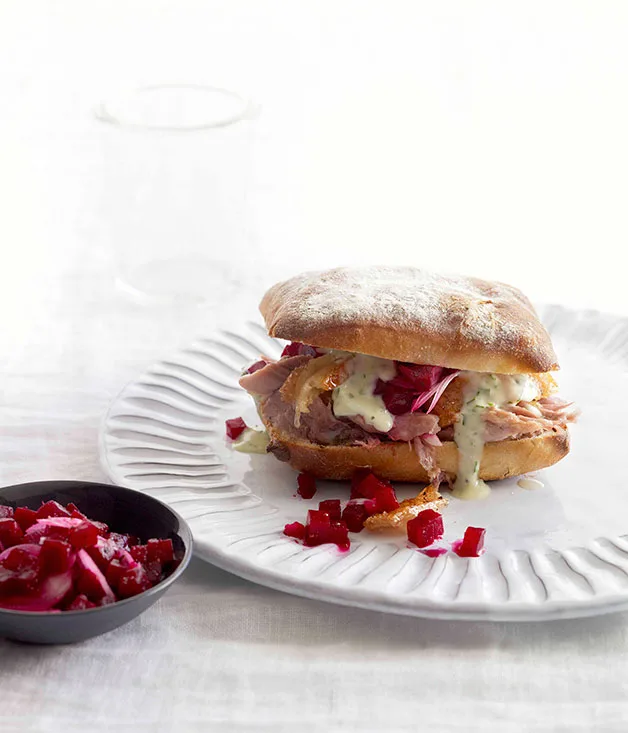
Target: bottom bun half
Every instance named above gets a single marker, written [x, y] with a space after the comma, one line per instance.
[399, 462]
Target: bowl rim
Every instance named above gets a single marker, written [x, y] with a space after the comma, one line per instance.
[188, 543]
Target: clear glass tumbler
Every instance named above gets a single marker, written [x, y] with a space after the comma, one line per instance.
[173, 202]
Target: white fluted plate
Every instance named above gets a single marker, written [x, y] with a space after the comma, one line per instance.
[557, 552]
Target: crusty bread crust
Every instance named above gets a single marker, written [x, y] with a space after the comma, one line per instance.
[399, 462]
[411, 315]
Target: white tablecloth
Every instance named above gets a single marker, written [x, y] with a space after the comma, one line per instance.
[481, 137]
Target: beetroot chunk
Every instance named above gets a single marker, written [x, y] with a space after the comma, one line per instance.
[472, 543]
[139, 553]
[10, 532]
[55, 557]
[25, 517]
[307, 485]
[331, 507]
[160, 551]
[235, 427]
[319, 529]
[425, 528]
[295, 529]
[84, 535]
[133, 582]
[80, 603]
[380, 491]
[355, 514]
[52, 509]
[90, 580]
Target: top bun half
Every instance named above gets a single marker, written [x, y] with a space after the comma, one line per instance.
[411, 315]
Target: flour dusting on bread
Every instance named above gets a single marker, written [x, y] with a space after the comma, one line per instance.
[412, 315]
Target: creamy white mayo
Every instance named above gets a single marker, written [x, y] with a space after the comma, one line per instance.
[355, 395]
[482, 391]
[530, 484]
[251, 441]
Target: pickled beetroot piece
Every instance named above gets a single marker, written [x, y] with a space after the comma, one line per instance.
[358, 476]
[52, 509]
[25, 517]
[319, 529]
[115, 570]
[356, 513]
[298, 349]
[10, 532]
[6, 512]
[56, 556]
[471, 544]
[160, 551]
[425, 528]
[235, 427]
[90, 580]
[133, 582]
[83, 535]
[139, 553]
[295, 529]
[80, 603]
[331, 507]
[380, 491]
[307, 485]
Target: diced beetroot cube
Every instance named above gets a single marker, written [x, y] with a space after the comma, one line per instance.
[382, 492]
[84, 535]
[133, 581]
[295, 529]
[235, 427]
[307, 485]
[55, 557]
[6, 512]
[90, 579]
[320, 529]
[355, 514]
[80, 603]
[160, 550]
[471, 544]
[77, 513]
[340, 535]
[298, 349]
[25, 517]
[425, 528]
[358, 476]
[331, 507]
[121, 540]
[52, 509]
[103, 529]
[317, 528]
[139, 553]
[21, 557]
[19, 571]
[256, 366]
[114, 572]
[10, 532]
[153, 571]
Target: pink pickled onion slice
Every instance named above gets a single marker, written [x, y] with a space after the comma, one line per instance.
[435, 393]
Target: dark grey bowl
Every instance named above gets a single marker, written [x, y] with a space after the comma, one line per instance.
[124, 511]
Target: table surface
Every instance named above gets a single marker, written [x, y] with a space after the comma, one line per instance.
[485, 138]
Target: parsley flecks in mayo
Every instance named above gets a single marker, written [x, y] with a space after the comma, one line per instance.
[355, 395]
[483, 391]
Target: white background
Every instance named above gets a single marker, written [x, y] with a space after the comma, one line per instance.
[487, 138]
